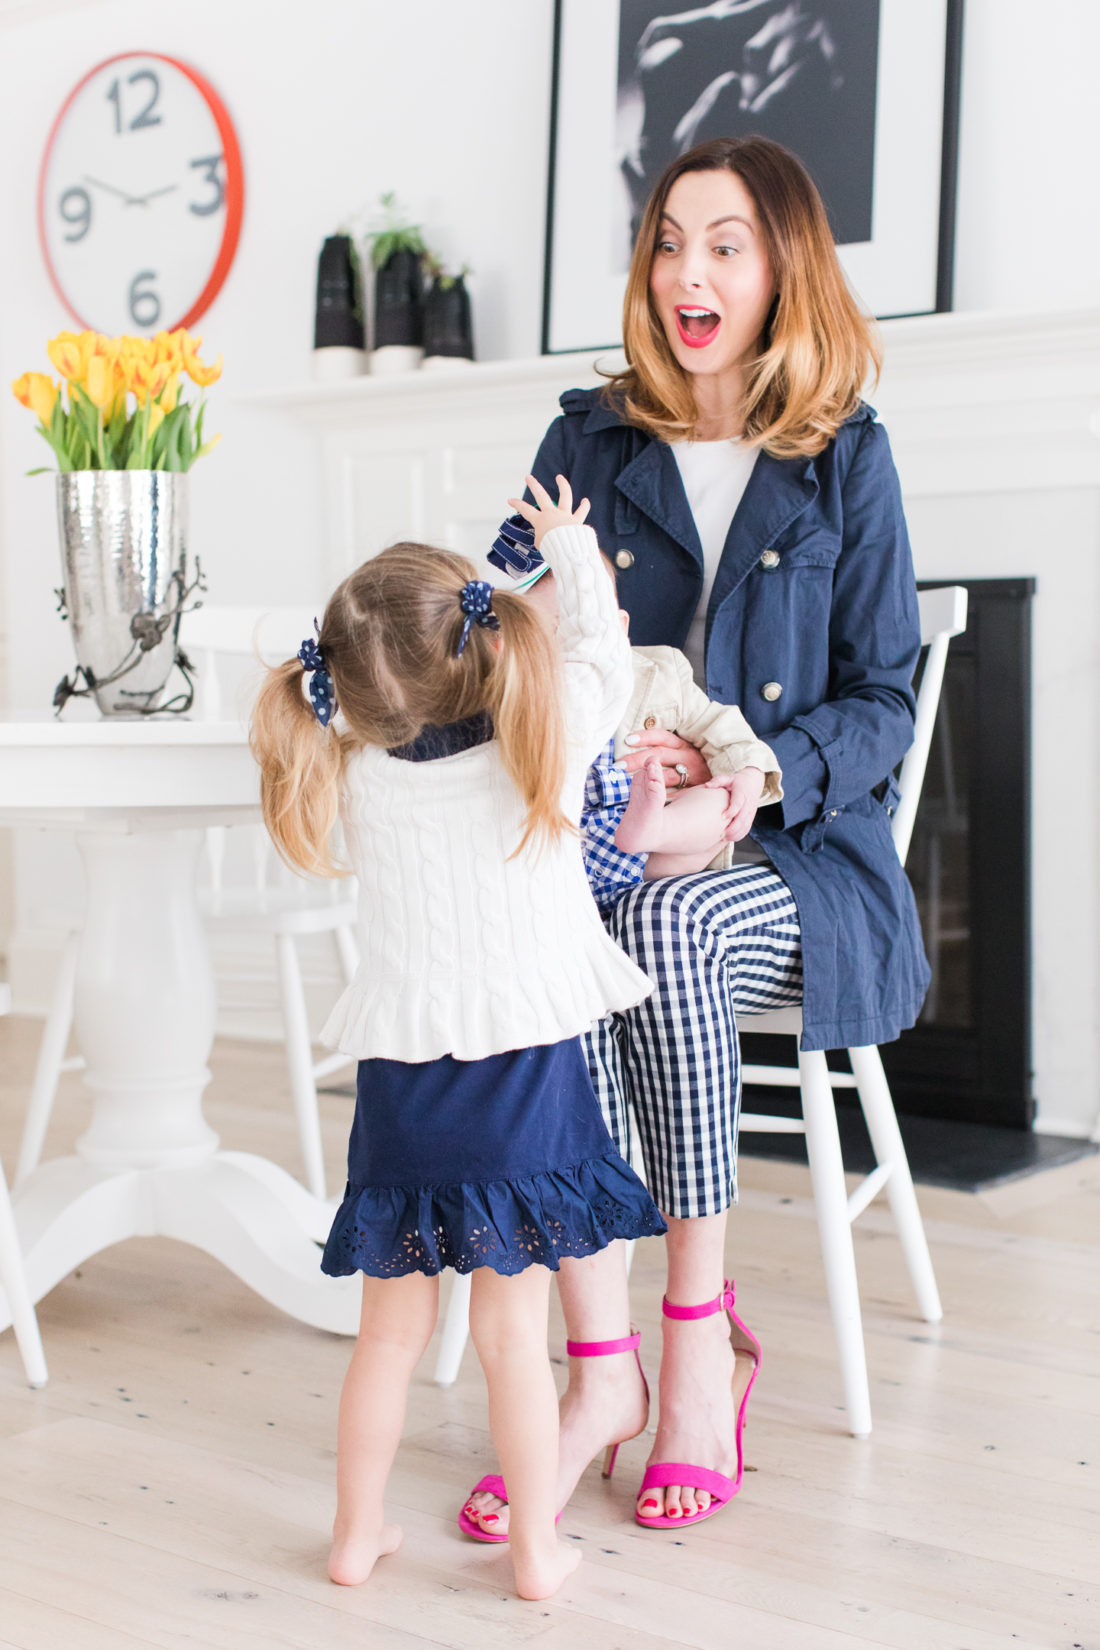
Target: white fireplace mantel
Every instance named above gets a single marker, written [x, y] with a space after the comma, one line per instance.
[974, 402]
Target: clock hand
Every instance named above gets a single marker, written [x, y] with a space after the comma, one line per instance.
[143, 200]
[111, 190]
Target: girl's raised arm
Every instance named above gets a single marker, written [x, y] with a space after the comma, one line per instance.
[595, 652]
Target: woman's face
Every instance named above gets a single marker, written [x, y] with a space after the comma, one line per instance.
[711, 283]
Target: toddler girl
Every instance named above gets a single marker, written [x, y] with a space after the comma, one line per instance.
[458, 773]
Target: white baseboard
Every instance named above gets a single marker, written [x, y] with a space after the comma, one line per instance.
[1071, 1128]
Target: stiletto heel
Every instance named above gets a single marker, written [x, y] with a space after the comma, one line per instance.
[494, 1484]
[746, 1354]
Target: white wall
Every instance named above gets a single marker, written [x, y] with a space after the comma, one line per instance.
[1028, 229]
[446, 101]
[448, 104]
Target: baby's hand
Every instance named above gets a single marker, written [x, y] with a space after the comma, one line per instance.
[744, 790]
[544, 513]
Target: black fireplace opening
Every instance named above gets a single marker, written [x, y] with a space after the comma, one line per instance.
[962, 1077]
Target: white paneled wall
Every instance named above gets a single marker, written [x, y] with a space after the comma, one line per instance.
[449, 104]
[995, 425]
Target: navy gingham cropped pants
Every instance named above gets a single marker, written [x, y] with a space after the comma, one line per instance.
[715, 944]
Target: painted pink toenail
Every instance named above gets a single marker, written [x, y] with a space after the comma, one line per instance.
[488, 1518]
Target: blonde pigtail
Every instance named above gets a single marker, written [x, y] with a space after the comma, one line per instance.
[528, 717]
[300, 766]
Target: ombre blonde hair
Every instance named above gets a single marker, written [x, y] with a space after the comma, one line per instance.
[817, 348]
[389, 639]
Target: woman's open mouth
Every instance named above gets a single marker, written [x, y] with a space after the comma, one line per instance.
[697, 327]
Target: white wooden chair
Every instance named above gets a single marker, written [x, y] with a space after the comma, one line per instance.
[13, 1277]
[271, 902]
[942, 615]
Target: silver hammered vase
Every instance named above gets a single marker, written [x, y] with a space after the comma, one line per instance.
[124, 563]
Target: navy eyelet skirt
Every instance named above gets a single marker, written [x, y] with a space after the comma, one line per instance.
[504, 1162]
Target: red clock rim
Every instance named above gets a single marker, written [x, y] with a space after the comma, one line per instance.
[234, 186]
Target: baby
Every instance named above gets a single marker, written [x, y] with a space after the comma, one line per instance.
[694, 828]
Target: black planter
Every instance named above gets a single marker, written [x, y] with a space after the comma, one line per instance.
[448, 326]
[398, 301]
[339, 321]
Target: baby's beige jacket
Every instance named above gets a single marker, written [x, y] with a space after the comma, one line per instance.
[666, 696]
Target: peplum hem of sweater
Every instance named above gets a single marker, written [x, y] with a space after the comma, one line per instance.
[508, 1225]
[394, 1018]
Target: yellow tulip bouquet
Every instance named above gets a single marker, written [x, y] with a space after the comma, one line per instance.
[122, 408]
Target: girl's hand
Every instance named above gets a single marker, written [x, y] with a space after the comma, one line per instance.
[544, 513]
[744, 790]
[673, 753]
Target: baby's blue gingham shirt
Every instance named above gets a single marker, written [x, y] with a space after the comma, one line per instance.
[606, 792]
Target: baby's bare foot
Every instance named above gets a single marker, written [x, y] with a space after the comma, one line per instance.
[539, 1575]
[353, 1557]
[640, 827]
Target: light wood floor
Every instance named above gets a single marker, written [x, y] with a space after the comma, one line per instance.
[173, 1485]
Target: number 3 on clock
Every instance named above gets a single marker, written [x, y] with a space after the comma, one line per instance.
[140, 195]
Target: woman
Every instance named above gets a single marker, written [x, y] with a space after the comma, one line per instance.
[751, 505]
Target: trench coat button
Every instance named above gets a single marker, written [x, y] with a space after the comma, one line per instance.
[650, 722]
[771, 691]
[624, 559]
[770, 558]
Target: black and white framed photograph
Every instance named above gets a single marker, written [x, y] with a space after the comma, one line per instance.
[864, 91]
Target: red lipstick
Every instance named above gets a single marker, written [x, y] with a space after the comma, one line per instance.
[697, 326]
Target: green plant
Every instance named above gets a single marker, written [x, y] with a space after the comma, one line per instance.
[438, 271]
[393, 234]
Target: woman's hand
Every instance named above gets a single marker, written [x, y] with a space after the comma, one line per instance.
[674, 754]
[744, 790]
[544, 513]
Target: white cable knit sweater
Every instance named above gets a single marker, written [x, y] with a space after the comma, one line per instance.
[466, 951]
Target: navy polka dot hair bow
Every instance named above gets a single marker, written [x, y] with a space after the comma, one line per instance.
[322, 695]
[476, 600]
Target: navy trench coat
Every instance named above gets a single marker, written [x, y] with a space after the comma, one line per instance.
[815, 597]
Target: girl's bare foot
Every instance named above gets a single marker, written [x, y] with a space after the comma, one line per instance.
[604, 1402]
[540, 1574]
[353, 1557]
[640, 827]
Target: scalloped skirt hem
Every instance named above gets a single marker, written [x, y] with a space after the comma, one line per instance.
[507, 1225]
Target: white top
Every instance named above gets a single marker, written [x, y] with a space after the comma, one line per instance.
[466, 950]
[715, 475]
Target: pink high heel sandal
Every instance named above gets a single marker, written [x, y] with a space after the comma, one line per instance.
[493, 1483]
[746, 1351]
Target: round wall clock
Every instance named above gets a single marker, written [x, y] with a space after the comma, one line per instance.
[140, 196]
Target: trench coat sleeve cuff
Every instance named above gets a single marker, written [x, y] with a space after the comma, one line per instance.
[807, 775]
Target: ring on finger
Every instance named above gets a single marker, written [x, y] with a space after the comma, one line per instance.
[681, 769]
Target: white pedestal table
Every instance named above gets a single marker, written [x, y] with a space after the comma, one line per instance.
[139, 795]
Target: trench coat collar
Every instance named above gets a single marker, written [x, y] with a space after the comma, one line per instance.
[778, 491]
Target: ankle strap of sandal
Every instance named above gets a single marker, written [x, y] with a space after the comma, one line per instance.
[721, 1303]
[602, 1349]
